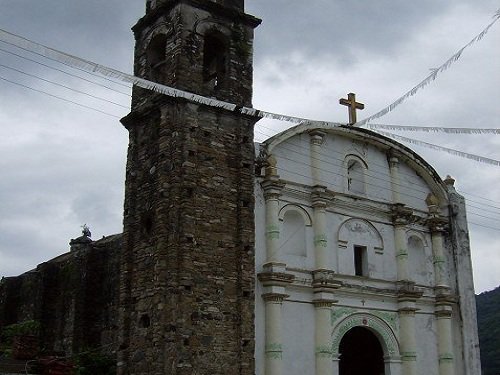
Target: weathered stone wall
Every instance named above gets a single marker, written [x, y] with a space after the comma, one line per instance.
[187, 292]
[74, 297]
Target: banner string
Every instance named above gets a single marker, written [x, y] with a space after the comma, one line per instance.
[431, 77]
[450, 151]
[434, 129]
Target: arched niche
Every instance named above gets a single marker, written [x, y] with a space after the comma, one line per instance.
[359, 247]
[295, 221]
[355, 174]
[420, 264]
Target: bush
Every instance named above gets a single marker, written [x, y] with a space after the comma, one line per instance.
[93, 363]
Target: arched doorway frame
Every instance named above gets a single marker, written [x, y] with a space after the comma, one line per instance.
[382, 331]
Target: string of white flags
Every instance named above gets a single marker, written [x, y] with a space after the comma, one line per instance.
[431, 77]
[450, 151]
[433, 129]
[92, 67]
[89, 66]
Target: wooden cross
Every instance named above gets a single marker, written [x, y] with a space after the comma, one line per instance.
[353, 105]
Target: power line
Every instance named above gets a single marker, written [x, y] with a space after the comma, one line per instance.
[69, 65]
[58, 97]
[64, 86]
[360, 180]
[63, 71]
[384, 167]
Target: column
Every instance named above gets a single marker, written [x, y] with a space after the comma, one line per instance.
[274, 279]
[323, 340]
[319, 204]
[437, 225]
[445, 337]
[272, 190]
[407, 335]
[395, 181]
[324, 284]
[401, 216]
[317, 137]
[439, 260]
[444, 298]
[274, 344]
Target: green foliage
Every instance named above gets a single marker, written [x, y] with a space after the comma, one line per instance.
[488, 321]
[95, 363]
[29, 327]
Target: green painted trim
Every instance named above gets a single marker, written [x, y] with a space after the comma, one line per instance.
[321, 240]
[273, 232]
[446, 358]
[274, 351]
[409, 356]
[324, 351]
[402, 253]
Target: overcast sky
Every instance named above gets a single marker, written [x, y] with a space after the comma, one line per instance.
[62, 165]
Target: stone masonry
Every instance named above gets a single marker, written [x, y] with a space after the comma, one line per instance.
[187, 288]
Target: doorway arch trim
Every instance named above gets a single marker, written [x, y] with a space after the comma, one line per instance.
[379, 327]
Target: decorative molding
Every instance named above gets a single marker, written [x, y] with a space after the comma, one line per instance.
[402, 215]
[323, 351]
[272, 232]
[321, 240]
[296, 208]
[409, 356]
[274, 297]
[446, 358]
[275, 278]
[274, 351]
[325, 279]
[377, 325]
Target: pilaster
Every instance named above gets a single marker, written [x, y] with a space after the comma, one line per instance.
[407, 297]
[438, 226]
[401, 216]
[272, 187]
[317, 138]
[444, 313]
[324, 285]
[395, 180]
[274, 279]
[319, 203]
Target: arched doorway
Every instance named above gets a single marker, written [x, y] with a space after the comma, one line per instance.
[361, 353]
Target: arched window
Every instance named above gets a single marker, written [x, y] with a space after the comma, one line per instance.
[214, 60]
[293, 240]
[355, 177]
[156, 56]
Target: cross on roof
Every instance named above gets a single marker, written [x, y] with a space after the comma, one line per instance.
[353, 105]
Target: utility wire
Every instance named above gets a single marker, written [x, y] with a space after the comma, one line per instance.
[58, 97]
[341, 161]
[63, 86]
[68, 65]
[65, 72]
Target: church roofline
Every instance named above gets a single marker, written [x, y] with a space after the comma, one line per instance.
[413, 159]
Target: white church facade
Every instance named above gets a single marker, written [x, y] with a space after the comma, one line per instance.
[362, 259]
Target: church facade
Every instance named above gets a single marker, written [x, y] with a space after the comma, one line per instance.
[362, 257]
[320, 251]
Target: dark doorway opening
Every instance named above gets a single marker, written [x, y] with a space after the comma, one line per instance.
[361, 353]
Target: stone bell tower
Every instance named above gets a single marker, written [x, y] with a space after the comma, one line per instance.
[187, 271]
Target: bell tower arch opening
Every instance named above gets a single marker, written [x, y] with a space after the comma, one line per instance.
[188, 266]
[361, 353]
[215, 51]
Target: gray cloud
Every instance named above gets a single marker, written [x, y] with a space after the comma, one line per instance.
[63, 165]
